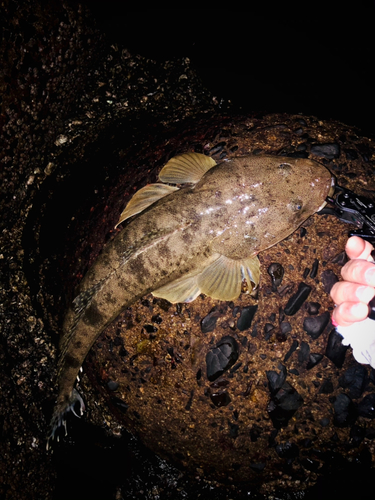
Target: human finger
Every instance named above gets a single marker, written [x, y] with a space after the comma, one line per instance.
[345, 291]
[348, 313]
[359, 271]
[358, 248]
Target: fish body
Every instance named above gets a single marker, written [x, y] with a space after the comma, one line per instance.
[200, 237]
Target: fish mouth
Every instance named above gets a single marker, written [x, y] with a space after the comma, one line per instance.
[330, 193]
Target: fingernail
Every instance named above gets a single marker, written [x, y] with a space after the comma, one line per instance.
[370, 276]
[365, 293]
[359, 310]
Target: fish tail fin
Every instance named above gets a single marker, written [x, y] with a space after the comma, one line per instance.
[59, 416]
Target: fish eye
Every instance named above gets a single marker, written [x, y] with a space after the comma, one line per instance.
[284, 168]
[295, 205]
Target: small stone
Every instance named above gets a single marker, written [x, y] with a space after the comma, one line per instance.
[303, 352]
[312, 308]
[220, 398]
[354, 379]
[293, 347]
[275, 379]
[328, 278]
[268, 327]
[324, 421]
[326, 387]
[208, 323]
[351, 154]
[287, 450]
[314, 359]
[315, 326]
[345, 411]
[112, 386]
[283, 405]
[258, 467]
[246, 317]
[285, 327]
[221, 358]
[340, 259]
[120, 404]
[328, 150]
[314, 269]
[335, 350]
[366, 407]
[233, 430]
[276, 271]
[295, 302]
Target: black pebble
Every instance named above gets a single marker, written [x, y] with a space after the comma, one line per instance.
[120, 404]
[258, 467]
[315, 325]
[314, 268]
[293, 347]
[366, 407]
[354, 379]
[328, 150]
[328, 278]
[276, 271]
[312, 308]
[302, 232]
[157, 319]
[285, 327]
[112, 386]
[326, 387]
[217, 148]
[303, 352]
[208, 323]
[233, 430]
[314, 359]
[220, 398]
[221, 358]
[268, 327]
[150, 328]
[335, 350]
[306, 272]
[351, 154]
[246, 317]
[287, 450]
[345, 411]
[295, 302]
[340, 259]
[275, 379]
[283, 405]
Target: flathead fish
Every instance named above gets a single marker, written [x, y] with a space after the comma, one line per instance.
[197, 231]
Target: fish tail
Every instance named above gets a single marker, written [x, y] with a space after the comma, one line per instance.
[60, 413]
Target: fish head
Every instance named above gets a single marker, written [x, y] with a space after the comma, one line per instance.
[302, 186]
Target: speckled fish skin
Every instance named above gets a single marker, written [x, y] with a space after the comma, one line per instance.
[237, 209]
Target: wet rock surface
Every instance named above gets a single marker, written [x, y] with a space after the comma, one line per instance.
[148, 372]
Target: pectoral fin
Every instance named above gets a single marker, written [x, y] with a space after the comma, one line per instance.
[186, 168]
[182, 290]
[221, 280]
[144, 198]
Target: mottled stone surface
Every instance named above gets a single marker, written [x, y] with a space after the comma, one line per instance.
[84, 124]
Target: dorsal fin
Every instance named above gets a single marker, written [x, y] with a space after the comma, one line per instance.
[144, 198]
[186, 168]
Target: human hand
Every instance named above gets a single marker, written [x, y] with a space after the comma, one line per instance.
[354, 293]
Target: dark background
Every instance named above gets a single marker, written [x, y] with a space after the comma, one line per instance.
[313, 58]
